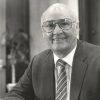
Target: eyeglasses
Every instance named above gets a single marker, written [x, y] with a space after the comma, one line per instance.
[64, 24]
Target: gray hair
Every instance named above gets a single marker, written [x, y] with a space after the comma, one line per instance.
[59, 7]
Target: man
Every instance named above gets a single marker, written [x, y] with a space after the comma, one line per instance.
[60, 26]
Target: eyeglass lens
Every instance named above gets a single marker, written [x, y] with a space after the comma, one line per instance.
[64, 24]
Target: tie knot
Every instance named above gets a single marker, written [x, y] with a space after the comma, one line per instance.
[62, 63]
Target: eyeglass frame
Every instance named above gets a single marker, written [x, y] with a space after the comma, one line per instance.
[56, 22]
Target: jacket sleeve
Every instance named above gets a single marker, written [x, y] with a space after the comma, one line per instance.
[23, 89]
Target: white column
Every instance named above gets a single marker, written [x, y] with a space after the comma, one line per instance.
[2, 29]
[2, 46]
[37, 43]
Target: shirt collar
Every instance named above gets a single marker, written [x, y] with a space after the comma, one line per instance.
[68, 59]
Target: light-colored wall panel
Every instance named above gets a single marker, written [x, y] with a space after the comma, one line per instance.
[2, 46]
[2, 29]
[37, 43]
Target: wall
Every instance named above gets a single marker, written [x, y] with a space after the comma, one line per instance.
[17, 16]
[89, 13]
[17, 21]
[93, 13]
[14, 15]
[83, 20]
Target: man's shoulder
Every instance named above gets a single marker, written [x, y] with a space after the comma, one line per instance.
[91, 49]
[44, 54]
[91, 46]
[41, 59]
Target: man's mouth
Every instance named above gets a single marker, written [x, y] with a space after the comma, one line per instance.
[58, 39]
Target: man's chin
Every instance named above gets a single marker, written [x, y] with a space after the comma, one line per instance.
[58, 48]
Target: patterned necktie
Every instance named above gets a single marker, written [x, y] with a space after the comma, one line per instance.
[61, 89]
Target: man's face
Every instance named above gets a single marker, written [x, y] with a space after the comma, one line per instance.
[60, 31]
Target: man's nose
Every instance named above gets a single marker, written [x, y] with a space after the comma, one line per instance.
[57, 29]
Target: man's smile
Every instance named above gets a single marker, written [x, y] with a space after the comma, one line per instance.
[58, 39]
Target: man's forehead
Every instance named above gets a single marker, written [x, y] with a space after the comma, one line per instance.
[57, 11]
[54, 15]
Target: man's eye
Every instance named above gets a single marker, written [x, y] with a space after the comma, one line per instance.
[50, 25]
[65, 23]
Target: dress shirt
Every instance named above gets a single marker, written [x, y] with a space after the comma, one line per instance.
[69, 60]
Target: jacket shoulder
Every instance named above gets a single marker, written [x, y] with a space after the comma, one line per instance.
[91, 50]
[43, 53]
[42, 56]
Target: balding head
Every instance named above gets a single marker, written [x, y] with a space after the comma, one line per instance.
[59, 10]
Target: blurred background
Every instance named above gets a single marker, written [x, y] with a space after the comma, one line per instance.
[21, 38]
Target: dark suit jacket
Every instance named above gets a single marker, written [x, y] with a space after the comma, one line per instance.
[39, 81]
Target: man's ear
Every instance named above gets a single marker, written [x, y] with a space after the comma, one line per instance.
[78, 29]
[77, 25]
[43, 33]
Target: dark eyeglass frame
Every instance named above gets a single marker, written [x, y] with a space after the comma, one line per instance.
[59, 23]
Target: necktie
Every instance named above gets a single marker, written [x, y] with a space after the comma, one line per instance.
[61, 89]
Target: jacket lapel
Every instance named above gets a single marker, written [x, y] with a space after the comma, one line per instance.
[49, 82]
[78, 72]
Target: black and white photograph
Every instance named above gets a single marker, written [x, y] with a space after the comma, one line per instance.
[49, 49]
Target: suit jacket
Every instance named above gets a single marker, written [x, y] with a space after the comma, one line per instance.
[38, 80]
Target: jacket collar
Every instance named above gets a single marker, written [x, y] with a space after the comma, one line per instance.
[78, 71]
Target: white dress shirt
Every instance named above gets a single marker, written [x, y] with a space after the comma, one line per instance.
[68, 59]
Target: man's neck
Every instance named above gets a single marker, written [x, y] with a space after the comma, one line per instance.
[63, 53]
